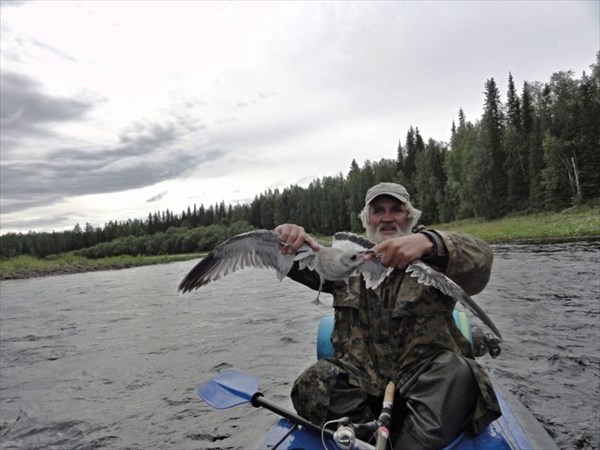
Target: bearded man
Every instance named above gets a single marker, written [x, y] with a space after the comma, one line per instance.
[401, 331]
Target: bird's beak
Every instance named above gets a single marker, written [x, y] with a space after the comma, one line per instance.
[368, 255]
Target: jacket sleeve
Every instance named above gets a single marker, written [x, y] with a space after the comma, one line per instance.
[469, 260]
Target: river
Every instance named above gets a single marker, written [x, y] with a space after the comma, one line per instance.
[113, 359]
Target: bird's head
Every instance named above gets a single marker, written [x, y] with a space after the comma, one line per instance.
[354, 258]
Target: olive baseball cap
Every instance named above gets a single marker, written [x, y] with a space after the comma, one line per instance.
[392, 189]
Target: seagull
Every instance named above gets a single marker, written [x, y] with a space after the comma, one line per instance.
[345, 258]
[261, 249]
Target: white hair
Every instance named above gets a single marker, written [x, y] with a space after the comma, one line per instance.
[413, 218]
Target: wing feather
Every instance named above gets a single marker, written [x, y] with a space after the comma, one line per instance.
[305, 257]
[258, 249]
[350, 241]
[374, 272]
[430, 277]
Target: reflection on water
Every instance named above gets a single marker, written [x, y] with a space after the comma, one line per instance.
[113, 359]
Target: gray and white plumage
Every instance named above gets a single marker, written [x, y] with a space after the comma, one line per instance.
[430, 277]
[258, 249]
[261, 249]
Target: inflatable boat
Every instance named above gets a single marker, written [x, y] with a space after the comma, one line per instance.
[516, 429]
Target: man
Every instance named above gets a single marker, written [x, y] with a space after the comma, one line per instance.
[402, 331]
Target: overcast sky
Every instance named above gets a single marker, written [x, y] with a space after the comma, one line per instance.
[113, 109]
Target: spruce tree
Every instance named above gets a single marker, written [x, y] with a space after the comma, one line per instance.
[492, 199]
[514, 149]
[353, 196]
[588, 139]
[410, 160]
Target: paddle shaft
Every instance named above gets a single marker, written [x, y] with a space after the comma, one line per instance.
[259, 400]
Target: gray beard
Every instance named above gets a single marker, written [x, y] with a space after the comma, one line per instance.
[374, 235]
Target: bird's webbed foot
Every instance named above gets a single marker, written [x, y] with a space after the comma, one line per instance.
[316, 301]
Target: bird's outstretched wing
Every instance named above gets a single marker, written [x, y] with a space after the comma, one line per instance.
[258, 249]
[430, 277]
[372, 270]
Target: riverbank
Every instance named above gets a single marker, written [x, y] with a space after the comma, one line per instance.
[29, 267]
[572, 224]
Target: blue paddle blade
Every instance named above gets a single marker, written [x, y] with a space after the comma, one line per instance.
[228, 389]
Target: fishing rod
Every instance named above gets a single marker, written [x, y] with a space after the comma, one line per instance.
[345, 436]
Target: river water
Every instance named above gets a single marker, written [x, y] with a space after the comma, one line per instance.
[113, 359]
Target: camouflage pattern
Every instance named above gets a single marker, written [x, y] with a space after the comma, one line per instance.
[393, 331]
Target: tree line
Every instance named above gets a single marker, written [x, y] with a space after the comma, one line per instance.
[537, 151]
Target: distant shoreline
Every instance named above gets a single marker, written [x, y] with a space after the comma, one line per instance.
[33, 268]
[139, 261]
[572, 225]
[551, 240]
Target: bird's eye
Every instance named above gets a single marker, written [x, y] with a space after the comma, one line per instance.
[353, 257]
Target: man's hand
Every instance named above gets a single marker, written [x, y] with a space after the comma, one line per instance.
[293, 237]
[399, 252]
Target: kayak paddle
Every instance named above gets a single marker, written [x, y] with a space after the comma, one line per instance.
[232, 388]
[228, 389]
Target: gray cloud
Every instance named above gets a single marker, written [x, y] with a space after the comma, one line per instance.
[53, 50]
[23, 102]
[157, 197]
[57, 221]
[8, 3]
[25, 109]
[146, 155]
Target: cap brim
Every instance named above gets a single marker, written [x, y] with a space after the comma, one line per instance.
[402, 198]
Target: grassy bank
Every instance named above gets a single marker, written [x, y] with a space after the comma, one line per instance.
[28, 266]
[570, 224]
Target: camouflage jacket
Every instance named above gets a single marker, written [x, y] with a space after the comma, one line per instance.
[390, 333]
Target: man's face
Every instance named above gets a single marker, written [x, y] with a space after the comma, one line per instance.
[388, 217]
